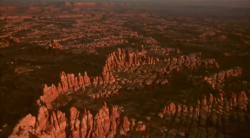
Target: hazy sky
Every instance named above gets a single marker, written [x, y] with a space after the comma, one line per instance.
[203, 2]
[231, 3]
[199, 2]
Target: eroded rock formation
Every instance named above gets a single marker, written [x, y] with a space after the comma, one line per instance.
[72, 83]
[208, 105]
[127, 72]
[207, 115]
[108, 122]
[144, 67]
[216, 81]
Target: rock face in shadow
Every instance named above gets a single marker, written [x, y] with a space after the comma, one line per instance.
[108, 122]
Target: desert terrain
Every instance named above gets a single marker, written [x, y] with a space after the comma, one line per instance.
[114, 69]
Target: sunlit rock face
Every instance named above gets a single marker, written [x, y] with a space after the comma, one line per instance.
[108, 122]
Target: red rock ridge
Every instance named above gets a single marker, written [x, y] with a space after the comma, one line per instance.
[208, 105]
[216, 81]
[72, 83]
[106, 123]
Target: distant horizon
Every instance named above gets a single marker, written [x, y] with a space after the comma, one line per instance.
[223, 3]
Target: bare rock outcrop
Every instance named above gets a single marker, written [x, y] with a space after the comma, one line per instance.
[144, 64]
[207, 105]
[216, 81]
[106, 123]
[72, 83]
